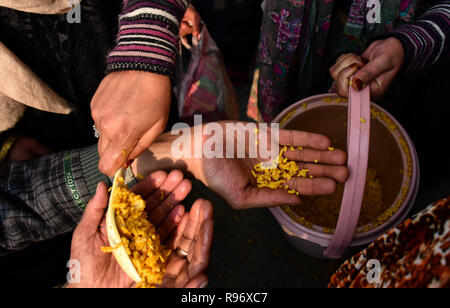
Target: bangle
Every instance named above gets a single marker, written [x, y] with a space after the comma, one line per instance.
[6, 147]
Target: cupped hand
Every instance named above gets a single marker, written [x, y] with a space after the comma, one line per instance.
[377, 67]
[162, 193]
[232, 177]
[130, 109]
[191, 243]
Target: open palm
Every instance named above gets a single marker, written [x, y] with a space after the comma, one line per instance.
[233, 179]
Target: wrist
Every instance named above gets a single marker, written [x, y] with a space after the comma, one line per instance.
[160, 156]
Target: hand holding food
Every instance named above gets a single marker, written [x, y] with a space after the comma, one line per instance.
[307, 165]
[377, 67]
[130, 109]
[161, 224]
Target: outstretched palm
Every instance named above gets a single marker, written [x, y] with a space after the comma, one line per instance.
[233, 179]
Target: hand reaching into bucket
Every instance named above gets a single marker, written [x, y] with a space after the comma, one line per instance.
[377, 67]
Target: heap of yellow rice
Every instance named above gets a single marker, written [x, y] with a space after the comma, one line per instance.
[281, 170]
[139, 238]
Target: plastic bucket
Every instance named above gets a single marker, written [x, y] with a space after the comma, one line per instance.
[391, 153]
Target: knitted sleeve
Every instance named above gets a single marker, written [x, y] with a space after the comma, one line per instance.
[148, 36]
[425, 41]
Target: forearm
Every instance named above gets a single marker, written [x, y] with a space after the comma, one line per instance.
[44, 198]
[160, 157]
[425, 41]
[148, 36]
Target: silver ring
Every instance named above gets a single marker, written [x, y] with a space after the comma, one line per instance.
[96, 132]
[181, 252]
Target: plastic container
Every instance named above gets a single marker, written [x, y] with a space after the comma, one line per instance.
[391, 154]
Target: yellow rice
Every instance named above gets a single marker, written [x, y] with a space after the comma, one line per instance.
[139, 238]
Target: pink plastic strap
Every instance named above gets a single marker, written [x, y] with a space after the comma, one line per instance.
[358, 156]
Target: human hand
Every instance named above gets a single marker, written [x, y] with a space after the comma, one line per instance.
[377, 67]
[130, 109]
[233, 179]
[25, 148]
[189, 234]
[191, 243]
[101, 270]
[191, 24]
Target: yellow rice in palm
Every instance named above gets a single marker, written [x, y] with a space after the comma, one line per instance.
[139, 238]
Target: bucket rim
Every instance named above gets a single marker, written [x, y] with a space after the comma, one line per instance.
[362, 238]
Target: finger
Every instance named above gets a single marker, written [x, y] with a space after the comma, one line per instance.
[172, 181]
[175, 266]
[95, 210]
[185, 28]
[151, 183]
[148, 138]
[341, 57]
[298, 138]
[370, 72]
[201, 210]
[257, 197]
[171, 222]
[183, 277]
[343, 79]
[174, 240]
[103, 143]
[338, 173]
[316, 186]
[197, 26]
[199, 260]
[173, 199]
[200, 281]
[115, 155]
[335, 157]
[344, 63]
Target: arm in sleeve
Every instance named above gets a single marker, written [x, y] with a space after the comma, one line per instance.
[44, 198]
[148, 36]
[425, 41]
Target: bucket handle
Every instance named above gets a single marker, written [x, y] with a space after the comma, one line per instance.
[358, 140]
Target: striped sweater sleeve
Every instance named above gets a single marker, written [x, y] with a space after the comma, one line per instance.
[148, 36]
[425, 41]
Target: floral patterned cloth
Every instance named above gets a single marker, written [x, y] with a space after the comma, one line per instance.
[295, 40]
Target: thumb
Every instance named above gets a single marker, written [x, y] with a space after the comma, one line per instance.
[369, 73]
[95, 210]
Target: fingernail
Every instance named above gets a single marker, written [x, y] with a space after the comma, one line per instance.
[204, 285]
[364, 60]
[359, 84]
